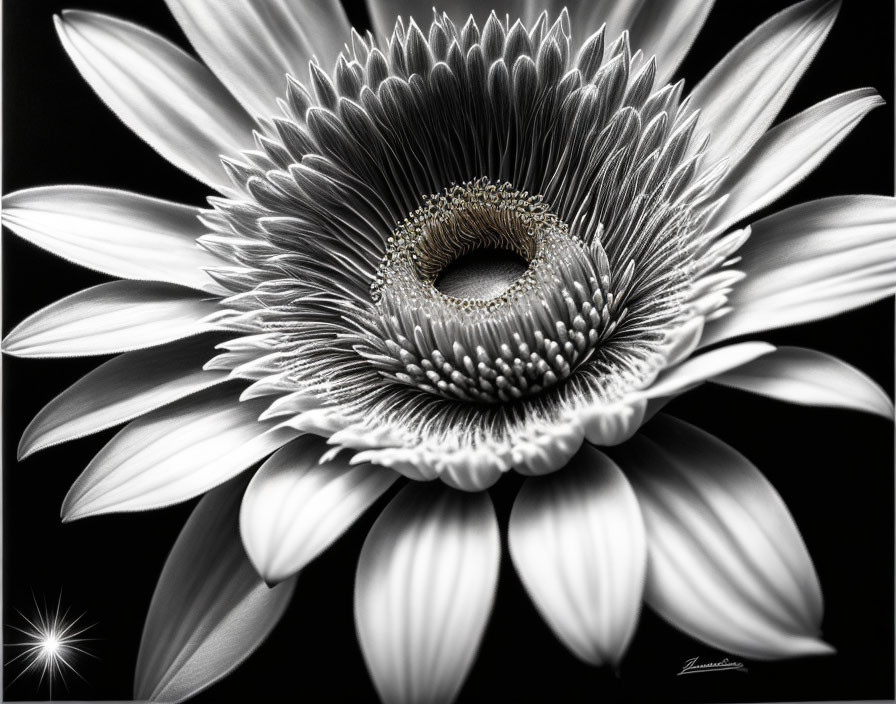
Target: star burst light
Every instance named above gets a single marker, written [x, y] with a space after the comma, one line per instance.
[52, 642]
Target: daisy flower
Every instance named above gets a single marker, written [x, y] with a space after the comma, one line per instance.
[462, 244]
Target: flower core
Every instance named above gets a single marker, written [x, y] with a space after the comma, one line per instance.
[528, 337]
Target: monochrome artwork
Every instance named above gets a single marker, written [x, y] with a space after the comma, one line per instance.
[521, 350]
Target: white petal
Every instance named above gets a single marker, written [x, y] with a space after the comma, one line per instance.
[424, 590]
[175, 453]
[578, 543]
[705, 366]
[122, 389]
[168, 98]
[741, 96]
[252, 44]
[684, 341]
[663, 29]
[109, 318]
[384, 13]
[666, 30]
[296, 506]
[812, 261]
[811, 378]
[785, 155]
[114, 232]
[726, 562]
[210, 610]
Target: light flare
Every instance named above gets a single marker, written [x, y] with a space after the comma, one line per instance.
[52, 643]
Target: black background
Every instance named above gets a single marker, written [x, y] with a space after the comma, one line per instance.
[833, 468]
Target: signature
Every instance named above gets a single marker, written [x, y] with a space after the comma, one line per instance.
[692, 666]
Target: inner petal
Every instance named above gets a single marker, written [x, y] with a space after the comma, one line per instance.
[482, 274]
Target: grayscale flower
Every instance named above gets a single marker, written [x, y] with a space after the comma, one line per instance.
[448, 249]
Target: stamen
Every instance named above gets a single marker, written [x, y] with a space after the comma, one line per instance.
[530, 335]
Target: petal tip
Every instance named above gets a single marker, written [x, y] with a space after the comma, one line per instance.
[25, 449]
[73, 508]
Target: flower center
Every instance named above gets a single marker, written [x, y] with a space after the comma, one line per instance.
[482, 274]
[473, 246]
[485, 295]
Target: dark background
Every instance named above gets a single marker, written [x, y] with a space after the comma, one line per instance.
[833, 468]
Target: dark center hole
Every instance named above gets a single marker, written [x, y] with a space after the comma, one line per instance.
[482, 274]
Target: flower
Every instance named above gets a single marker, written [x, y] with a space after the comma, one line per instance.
[449, 253]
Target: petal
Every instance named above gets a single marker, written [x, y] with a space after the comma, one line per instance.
[123, 388]
[705, 366]
[210, 610]
[109, 318]
[812, 261]
[252, 44]
[114, 232]
[424, 590]
[785, 155]
[810, 378]
[726, 562]
[384, 13]
[168, 98]
[741, 96]
[578, 543]
[296, 506]
[666, 30]
[175, 453]
[662, 29]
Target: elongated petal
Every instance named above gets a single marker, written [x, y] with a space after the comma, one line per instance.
[296, 506]
[252, 44]
[810, 378]
[667, 30]
[168, 98]
[812, 261]
[578, 543]
[424, 590]
[110, 318]
[114, 232]
[114, 317]
[705, 366]
[741, 96]
[175, 453]
[210, 610]
[122, 389]
[726, 562]
[785, 155]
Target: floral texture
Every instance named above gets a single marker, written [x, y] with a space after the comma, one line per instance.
[447, 249]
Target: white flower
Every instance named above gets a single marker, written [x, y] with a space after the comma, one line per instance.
[450, 251]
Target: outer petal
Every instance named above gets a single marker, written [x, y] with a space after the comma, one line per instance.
[109, 318]
[210, 610]
[168, 98]
[115, 232]
[705, 366]
[121, 389]
[296, 506]
[811, 378]
[785, 155]
[741, 96]
[578, 543]
[666, 30]
[726, 562]
[425, 586]
[812, 261]
[174, 454]
[252, 44]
